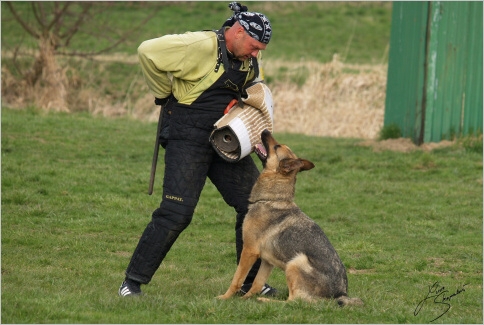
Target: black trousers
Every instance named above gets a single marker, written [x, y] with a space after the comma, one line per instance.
[187, 165]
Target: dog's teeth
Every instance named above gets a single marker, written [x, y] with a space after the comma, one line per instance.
[261, 149]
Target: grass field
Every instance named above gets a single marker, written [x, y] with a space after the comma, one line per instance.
[74, 204]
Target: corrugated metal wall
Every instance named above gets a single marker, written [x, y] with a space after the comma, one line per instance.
[434, 88]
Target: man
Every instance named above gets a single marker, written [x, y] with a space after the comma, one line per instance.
[194, 76]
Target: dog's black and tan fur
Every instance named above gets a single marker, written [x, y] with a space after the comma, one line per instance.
[280, 234]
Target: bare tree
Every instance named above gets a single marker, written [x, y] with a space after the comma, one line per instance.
[54, 26]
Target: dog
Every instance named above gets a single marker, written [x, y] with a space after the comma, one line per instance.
[280, 234]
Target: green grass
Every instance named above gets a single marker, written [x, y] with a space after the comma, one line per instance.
[74, 204]
[358, 31]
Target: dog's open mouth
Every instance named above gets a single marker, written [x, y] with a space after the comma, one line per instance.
[261, 152]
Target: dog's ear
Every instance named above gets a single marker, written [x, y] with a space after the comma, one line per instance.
[307, 165]
[288, 165]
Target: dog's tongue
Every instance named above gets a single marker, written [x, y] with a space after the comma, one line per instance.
[260, 150]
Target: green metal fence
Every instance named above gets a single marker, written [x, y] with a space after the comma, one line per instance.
[434, 87]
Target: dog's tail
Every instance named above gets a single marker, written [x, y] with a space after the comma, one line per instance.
[347, 301]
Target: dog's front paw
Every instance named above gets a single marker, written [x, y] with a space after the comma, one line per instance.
[223, 297]
[262, 299]
[247, 295]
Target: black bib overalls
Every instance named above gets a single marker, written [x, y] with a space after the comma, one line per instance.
[189, 160]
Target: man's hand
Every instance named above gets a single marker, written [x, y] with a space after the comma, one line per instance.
[161, 101]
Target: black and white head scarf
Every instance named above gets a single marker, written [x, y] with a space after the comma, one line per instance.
[257, 25]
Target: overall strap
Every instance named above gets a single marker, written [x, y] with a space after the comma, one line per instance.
[222, 53]
[222, 57]
[222, 50]
[254, 63]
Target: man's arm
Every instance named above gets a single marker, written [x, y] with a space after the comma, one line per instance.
[185, 58]
[156, 61]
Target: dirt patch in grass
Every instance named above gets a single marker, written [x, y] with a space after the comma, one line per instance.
[403, 145]
[352, 270]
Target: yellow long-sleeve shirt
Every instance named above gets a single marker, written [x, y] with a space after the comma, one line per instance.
[177, 63]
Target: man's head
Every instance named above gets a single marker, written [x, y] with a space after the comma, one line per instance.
[250, 32]
[241, 44]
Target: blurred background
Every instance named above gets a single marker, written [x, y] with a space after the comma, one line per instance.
[326, 64]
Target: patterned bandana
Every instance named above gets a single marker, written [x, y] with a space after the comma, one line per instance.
[255, 24]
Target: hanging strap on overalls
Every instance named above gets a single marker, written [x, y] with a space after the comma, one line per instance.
[223, 58]
[222, 50]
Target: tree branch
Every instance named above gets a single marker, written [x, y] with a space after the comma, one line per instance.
[123, 38]
[22, 23]
[36, 7]
[73, 30]
[59, 14]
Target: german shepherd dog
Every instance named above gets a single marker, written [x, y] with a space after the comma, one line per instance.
[280, 234]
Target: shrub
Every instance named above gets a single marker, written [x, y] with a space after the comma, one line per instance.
[391, 131]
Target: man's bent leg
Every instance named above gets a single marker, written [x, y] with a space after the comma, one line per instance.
[167, 223]
[186, 166]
